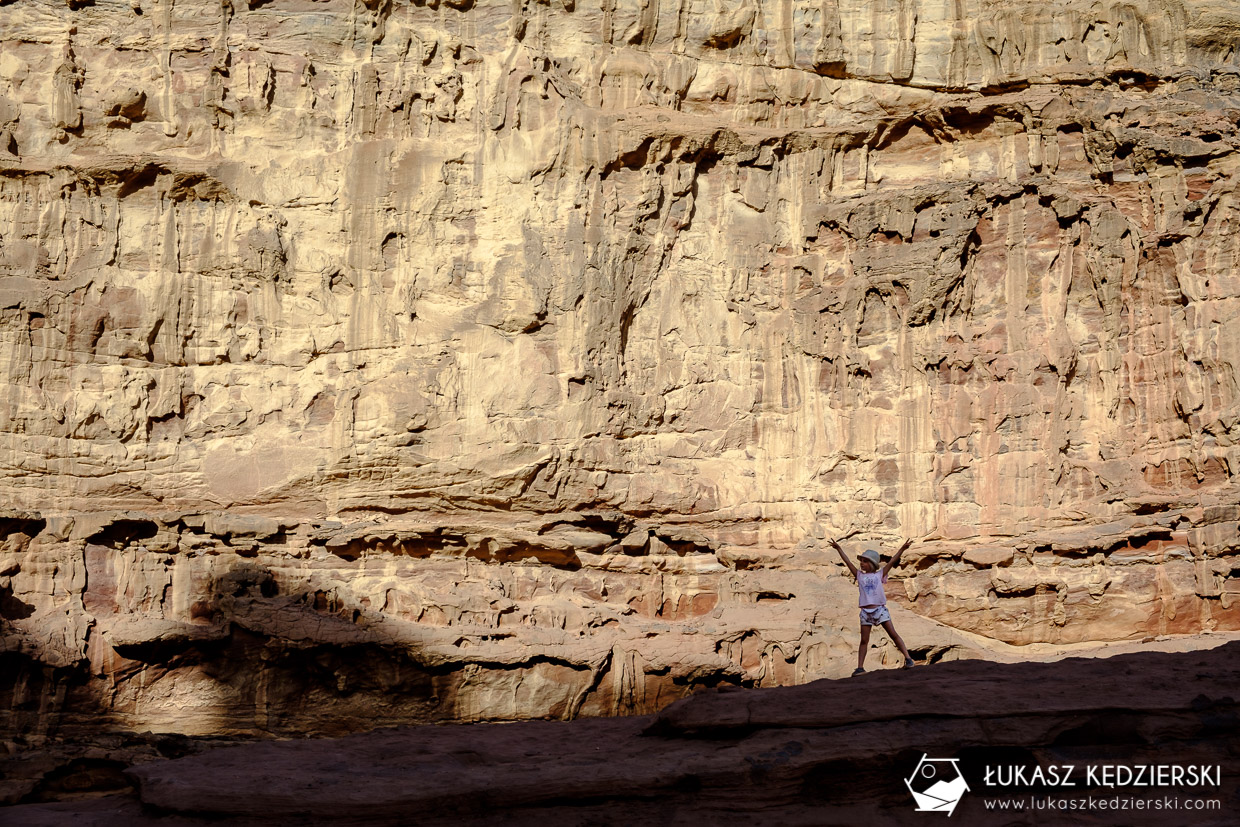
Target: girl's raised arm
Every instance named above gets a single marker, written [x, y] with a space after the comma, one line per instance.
[851, 566]
[895, 558]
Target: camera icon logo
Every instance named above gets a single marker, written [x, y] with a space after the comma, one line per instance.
[937, 784]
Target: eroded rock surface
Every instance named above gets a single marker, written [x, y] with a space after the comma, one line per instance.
[831, 752]
[369, 362]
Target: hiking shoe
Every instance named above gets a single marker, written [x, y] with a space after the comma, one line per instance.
[858, 671]
[908, 663]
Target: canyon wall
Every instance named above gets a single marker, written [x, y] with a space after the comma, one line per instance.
[371, 361]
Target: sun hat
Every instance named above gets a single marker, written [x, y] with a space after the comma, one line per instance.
[871, 555]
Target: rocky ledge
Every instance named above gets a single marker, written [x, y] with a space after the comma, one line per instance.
[832, 751]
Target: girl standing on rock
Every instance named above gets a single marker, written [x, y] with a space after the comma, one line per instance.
[873, 598]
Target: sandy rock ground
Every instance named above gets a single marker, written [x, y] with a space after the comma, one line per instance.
[828, 752]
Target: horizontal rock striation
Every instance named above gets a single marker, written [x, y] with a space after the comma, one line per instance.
[831, 752]
[368, 362]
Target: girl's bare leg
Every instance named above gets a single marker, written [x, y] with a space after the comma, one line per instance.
[891, 630]
[864, 647]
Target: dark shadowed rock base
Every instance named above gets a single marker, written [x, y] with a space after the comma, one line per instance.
[830, 752]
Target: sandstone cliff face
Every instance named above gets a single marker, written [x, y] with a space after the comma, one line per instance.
[372, 361]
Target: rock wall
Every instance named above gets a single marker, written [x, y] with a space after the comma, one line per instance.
[371, 361]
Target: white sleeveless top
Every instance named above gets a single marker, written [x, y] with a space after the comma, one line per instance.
[870, 585]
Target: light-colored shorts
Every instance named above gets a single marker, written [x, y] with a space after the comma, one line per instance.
[876, 616]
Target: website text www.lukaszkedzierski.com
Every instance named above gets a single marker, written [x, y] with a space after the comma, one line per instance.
[1067, 804]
